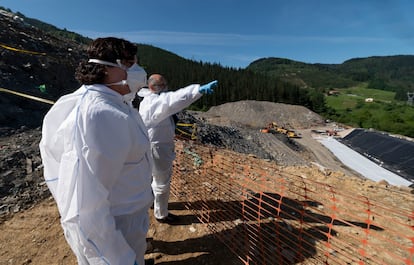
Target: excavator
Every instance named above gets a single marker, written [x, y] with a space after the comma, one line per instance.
[273, 127]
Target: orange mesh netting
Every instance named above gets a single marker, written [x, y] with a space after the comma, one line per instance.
[267, 216]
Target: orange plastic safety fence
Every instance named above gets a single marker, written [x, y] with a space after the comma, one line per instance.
[266, 216]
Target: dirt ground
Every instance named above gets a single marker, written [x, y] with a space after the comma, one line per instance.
[34, 236]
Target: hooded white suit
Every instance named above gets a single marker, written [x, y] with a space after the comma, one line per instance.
[156, 111]
[97, 165]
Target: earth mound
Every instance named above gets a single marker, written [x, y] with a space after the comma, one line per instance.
[258, 114]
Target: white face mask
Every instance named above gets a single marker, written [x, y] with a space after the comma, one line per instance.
[136, 77]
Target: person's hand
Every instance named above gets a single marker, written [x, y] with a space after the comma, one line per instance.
[208, 88]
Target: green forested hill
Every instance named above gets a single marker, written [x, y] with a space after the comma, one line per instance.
[234, 84]
[390, 73]
[353, 82]
[307, 75]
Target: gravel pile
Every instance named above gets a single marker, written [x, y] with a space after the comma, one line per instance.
[258, 114]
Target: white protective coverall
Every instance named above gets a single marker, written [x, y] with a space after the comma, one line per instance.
[153, 108]
[97, 165]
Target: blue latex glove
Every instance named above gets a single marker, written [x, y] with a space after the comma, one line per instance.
[208, 88]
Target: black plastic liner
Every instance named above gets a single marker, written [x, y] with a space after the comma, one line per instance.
[392, 153]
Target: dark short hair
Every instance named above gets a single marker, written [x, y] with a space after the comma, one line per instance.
[107, 49]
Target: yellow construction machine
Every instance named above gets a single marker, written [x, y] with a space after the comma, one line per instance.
[273, 127]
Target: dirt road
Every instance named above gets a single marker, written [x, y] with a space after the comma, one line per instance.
[320, 155]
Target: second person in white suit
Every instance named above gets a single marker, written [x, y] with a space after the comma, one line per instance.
[157, 110]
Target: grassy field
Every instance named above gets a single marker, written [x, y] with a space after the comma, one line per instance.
[383, 113]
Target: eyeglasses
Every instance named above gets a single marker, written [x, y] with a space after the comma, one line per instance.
[160, 85]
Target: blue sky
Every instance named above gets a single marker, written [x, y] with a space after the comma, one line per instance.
[234, 33]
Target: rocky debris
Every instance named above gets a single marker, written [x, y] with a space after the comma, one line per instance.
[229, 137]
[30, 59]
[238, 137]
[21, 175]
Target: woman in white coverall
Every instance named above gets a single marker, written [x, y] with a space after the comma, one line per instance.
[97, 162]
[156, 110]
